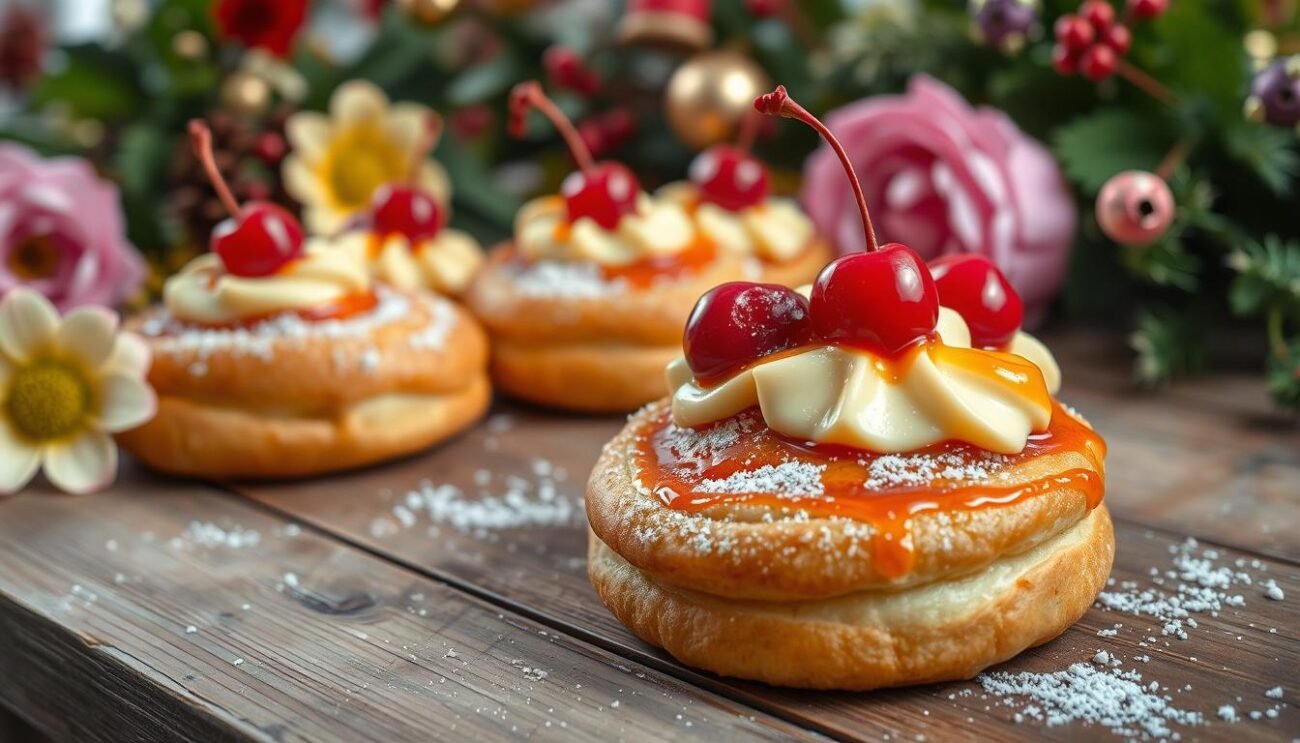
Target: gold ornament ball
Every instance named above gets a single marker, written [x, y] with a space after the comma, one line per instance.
[710, 94]
[245, 94]
[427, 12]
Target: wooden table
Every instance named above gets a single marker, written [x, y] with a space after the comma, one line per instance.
[386, 605]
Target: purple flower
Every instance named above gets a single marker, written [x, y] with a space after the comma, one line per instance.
[942, 177]
[61, 232]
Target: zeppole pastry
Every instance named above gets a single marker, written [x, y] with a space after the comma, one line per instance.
[586, 305]
[728, 194]
[846, 488]
[278, 357]
[404, 239]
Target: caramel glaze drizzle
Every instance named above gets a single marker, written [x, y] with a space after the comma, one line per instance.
[888, 510]
[349, 305]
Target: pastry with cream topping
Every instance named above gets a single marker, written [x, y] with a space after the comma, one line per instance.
[276, 356]
[728, 194]
[586, 305]
[866, 483]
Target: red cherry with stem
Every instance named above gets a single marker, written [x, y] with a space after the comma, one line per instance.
[401, 208]
[737, 323]
[604, 192]
[1073, 33]
[1119, 38]
[883, 299]
[258, 238]
[977, 290]
[728, 175]
[1098, 63]
[1100, 14]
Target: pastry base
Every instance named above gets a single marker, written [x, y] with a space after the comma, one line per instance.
[584, 377]
[802, 269]
[194, 438]
[945, 630]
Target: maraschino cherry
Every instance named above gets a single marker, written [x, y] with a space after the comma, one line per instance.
[601, 191]
[738, 322]
[258, 238]
[729, 175]
[884, 299]
[402, 208]
[975, 288]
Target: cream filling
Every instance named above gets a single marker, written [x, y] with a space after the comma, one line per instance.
[930, 604]
[445, 264]
[841, 395]
[658, 227]
[776, 230]
[204, 294]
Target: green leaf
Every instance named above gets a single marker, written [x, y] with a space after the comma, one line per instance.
[1169, 343]
[1268, 277]
[1095, 147]
[95, 83]
[1202, 52]
[1269, 153]
[1165, 262]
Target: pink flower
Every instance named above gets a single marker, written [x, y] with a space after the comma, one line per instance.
[61, 232]
[943, 177]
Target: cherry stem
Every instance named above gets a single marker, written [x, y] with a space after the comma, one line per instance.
[748, 131]
[1173, 159]
[1146, 83]
[201, 141]
[779, 103]
[433, 129]
[528, 95]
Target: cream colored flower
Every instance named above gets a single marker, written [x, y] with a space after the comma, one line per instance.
[338, 160]
[65, 385]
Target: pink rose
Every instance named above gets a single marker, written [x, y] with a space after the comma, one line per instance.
[61, 232]
[942, 177]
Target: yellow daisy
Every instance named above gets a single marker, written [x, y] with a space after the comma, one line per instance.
[65, 386]
[338, 160]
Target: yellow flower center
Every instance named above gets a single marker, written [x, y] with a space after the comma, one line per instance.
[47, 400]
[360, 160]
[34, 257]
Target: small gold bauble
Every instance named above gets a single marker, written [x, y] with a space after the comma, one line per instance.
[710, 94]
[245, 94]
[426, 12]
[190, 45]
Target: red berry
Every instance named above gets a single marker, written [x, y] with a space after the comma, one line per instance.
[259, 241]
[567, 70]
[1098, 63]
[1073, 33]
[1147, 9]
[1100, 14]
[729, 177]
[764, 8]
[884, 300]
[737, 323]
[605, 193]
[977, 290]
[270, 148]
[1064, 61]
[1117, 37]
[406, 211]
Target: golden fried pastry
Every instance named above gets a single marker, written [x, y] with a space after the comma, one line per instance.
[272, 359]
[853, 486]
[587, 303]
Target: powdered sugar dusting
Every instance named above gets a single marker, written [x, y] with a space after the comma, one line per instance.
[788, 479]
[573, 279]
[920, 470]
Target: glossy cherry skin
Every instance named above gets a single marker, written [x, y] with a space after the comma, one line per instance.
[737, 323]
[883, 301]
[977, 290]
[261, 240]
[730, 178]
[406, 211]
[605, 193]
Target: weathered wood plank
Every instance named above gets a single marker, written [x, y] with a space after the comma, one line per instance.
[121, 623]
[525, 560]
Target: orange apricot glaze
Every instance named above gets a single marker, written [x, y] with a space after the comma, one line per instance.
[888, 510]
[344, 307]
[643, 273]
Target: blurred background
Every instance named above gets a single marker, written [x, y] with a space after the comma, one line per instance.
[1136, 171]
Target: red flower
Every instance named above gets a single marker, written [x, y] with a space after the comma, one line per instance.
[262, 24]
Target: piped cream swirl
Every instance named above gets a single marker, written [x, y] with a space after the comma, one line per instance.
[658, 227]
[776, 230]
[444, 264]
[203, 292]
[945, 391]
